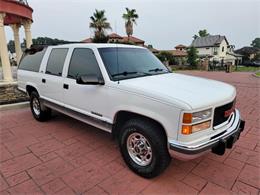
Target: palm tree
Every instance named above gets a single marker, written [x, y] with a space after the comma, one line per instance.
[130, 18]
[99, 24]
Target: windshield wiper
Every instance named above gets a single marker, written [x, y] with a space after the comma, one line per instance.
[156, 70]
[125, 73]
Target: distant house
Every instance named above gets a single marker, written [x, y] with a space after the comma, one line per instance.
[249, 53]
[179, 54]
[115, 38]
[216, 48]
[181, 47]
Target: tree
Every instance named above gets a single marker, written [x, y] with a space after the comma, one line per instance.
[201, 33]
[192, 56]
[11, 46]
[164, 56]
[130, 18]
[100, 25]
[195, 37]
[48, 41]
[256, 43]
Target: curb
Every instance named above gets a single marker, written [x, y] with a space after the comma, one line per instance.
[13, 83]
[14, 106]
[254, 74]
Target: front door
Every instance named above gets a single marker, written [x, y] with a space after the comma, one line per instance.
[86, 99]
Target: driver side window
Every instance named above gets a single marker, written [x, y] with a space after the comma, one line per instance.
[83, 62]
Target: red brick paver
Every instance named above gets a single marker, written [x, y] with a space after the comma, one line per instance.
[65, 156]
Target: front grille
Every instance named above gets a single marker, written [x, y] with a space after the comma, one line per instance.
[219, 114]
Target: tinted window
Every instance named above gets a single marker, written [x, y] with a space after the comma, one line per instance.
[83, 61]
[32, 61]
[56, 61]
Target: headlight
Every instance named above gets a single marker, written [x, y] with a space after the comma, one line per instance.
[197, 116]
[192, 121]
[202, 115]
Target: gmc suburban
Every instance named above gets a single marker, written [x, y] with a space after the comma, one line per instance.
[154, 114]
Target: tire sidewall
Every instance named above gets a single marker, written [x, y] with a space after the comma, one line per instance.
[32, 97]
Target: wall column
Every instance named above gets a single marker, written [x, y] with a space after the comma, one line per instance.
[28, 35]
[17, 43]
[7, 73]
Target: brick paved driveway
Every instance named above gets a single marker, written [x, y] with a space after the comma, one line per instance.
[65, 156]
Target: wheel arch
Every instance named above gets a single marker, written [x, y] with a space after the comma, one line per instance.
[30, 88]
[123, 115]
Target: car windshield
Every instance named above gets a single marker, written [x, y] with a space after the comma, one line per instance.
[125, 63]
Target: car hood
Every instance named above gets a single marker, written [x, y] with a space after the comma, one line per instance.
[184, 91]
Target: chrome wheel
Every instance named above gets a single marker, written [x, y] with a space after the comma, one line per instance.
[36, 106]
[139, 149]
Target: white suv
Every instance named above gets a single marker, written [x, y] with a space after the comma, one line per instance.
[127, 91]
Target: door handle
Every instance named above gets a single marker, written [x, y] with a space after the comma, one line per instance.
[43, 80]
[65, 86]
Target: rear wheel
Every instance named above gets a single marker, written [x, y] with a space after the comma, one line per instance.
[144, 148]
[40, 112]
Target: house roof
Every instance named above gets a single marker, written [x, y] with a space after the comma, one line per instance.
[247, 50]
[180, 46]
[208, 41]
[114, 36]
[133, 39]
[234, 54]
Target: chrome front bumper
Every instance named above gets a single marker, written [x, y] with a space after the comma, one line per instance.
[217, 144]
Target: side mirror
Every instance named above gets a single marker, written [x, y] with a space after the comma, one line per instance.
[90, 80]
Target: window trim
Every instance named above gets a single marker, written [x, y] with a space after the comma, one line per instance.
[69, 64]
[48, 73]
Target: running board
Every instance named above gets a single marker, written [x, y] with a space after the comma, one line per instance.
[79, 116]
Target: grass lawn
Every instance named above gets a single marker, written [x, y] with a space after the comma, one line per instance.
[258, 74]
[247, 69]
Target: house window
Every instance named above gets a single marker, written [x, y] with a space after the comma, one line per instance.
[215, 52]
[223, 49]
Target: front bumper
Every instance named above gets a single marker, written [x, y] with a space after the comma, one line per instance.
[217, 144]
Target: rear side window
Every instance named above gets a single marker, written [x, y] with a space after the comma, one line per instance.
[32, 61]
[56, 61]
[83, 62]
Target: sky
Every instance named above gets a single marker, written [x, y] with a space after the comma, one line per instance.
[162, 23]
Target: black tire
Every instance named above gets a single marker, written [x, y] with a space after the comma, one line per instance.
[43, 113]
[153, 133]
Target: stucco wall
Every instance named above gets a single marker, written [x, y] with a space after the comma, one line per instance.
[223, 53]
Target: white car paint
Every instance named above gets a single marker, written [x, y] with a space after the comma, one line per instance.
[163, 97]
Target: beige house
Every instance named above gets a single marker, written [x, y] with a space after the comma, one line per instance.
[216, 48]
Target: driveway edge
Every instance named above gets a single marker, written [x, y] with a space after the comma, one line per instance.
[14, 106]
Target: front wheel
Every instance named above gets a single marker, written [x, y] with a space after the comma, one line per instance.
[40, 112]
[144, 148]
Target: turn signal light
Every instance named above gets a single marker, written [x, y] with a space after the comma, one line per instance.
[186, 129]
[187, 118]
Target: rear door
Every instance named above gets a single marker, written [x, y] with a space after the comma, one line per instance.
[51, 78]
